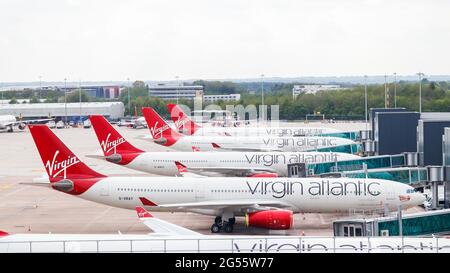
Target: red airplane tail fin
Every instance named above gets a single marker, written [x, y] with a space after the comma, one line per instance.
[111, 141]
[182, 122]
[59, 161]
[160, 130]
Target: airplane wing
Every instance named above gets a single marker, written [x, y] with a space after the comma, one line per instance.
[182, 171]
[161, 227]
[244, 149]
[231, 171]
[234, 171]
[243, 205]
[27, 121]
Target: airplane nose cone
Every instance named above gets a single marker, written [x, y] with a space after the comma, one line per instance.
[419, 198]
[422, 197]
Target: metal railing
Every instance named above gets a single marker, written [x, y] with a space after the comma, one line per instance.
[273, 244]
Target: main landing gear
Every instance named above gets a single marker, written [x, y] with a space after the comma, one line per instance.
[226, 226]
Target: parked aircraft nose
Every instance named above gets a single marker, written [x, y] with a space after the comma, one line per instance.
[418, 198]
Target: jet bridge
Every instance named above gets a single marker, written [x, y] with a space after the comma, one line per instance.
[415, 224]
[348, 135]
[372, 162]
[408, 175]
[349, 149]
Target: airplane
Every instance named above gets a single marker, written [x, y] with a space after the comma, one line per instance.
[164, 135]
[188, 127]
[8, 122]
[116, 149]
[265, 202]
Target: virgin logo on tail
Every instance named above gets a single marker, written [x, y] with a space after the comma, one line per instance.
[61, 166]
[109, 145]
[181, 121]
[158, 131]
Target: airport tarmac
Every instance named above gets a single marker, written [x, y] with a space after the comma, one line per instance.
[32, 209]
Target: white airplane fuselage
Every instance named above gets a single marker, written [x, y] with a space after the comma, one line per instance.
[320, 195]
[264, 131]
[273, 143]
[276, 162]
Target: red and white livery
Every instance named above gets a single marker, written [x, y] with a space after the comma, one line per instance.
[266, 202]
[164, 135]
[187, 126]
[117, 149]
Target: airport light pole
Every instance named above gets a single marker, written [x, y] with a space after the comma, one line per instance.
[79, 91]
[129, 102]
[262, 97]
[65, 101]
[176, 77]
[40, 87]
[385, 91]
[365, 98]
[420, 74]
[395, 89]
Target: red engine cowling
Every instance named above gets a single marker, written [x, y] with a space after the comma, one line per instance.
[264, 175]
[270, 219]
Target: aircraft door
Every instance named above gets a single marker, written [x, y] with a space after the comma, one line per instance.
[296, 170]
[199, 193]
[390, 197]
[104, 190]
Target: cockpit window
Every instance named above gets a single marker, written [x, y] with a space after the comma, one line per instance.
[410, 191]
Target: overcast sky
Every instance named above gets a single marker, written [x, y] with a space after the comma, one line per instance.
[157, 40]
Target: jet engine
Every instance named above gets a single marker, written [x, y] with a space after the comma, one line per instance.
[270, 219]
[22, 126]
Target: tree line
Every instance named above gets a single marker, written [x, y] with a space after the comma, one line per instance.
[347, 103]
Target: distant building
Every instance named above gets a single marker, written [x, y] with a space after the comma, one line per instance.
[171, 92]
[113, 110]
[19, 101]
[106, 92]
[214, 98]
[313, 88]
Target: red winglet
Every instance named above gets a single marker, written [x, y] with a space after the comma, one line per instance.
[142, 213]
[215, 145]
[181, 168]
[3, 233]
[147, 202]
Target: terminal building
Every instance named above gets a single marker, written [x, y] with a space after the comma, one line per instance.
[172, 92]
[215, 98]
[105, 92]
[112, 110]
